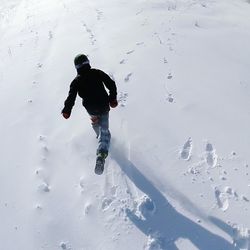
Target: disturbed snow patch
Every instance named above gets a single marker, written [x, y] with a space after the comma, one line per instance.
[242, 238]
[145, 206]
[154, 242]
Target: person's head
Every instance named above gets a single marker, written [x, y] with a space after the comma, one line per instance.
[81, 62]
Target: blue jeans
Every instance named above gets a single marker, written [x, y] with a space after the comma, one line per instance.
[100, 124]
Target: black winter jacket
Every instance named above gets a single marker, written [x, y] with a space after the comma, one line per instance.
[89, 84]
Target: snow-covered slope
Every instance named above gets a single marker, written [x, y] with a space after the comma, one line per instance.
[177, 176]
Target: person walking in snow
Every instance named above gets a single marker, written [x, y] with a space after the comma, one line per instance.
[90, 85]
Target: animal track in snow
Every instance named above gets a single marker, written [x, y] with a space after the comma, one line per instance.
[127, 78]
[44, 187]
[43, 146]
[122, 61]
[99, 14]
[158, 37]
[140, 43]
[169, 95]
[41, 174]
[170, 76]
[65, 246]
[170, 98]
[122, 99]
[41, 171]
[39, 65]
[45, 150]
[210, 155]
[91, 35]
[38, 207]
[244, 198]
[50, 35]
[130, 52]
[41, 137]
[139, 12]
[185, 152]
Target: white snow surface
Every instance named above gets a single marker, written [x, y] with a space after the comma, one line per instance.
[178, 173]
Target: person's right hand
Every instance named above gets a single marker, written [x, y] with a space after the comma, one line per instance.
[66, 115]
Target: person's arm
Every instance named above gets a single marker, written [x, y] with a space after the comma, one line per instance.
[70, 101]
[111, 86]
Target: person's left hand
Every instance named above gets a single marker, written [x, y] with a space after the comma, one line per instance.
[113, 103]
[66, 115]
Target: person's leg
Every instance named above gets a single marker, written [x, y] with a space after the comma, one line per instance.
[104, 139]
[95, 124]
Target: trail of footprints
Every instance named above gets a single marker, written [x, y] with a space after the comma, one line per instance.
[222, 194]
[99, 14]
[123, 61]
[91, 35]
[127, 78]
[41, 172]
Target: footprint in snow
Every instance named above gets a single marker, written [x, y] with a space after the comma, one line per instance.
[82, 184]
[210, 155]
[87, 209]
[106, 203]
[185, 152]
[146, 206]
[221, 199]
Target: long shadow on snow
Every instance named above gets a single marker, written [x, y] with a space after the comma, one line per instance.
[166, 221]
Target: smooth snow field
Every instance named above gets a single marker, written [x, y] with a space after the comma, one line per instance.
[178, 173]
